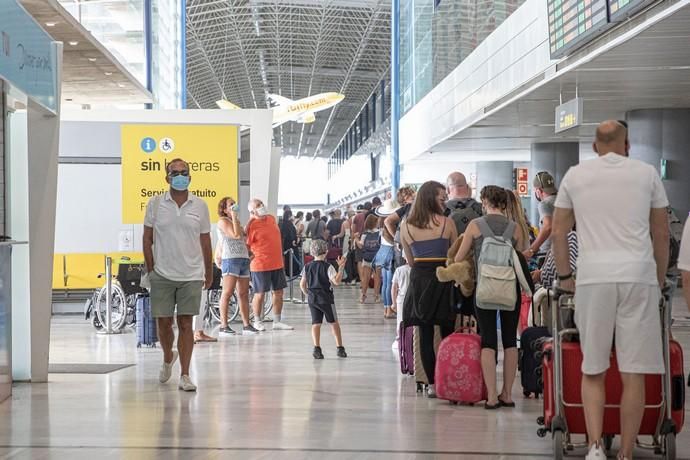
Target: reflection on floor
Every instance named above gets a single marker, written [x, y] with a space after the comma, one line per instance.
[259, 397]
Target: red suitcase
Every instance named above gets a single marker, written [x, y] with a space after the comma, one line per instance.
[572, 378]
[458, 375]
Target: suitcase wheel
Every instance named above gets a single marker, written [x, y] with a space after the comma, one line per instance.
[541, 421]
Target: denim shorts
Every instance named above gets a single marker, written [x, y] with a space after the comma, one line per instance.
[235, 267]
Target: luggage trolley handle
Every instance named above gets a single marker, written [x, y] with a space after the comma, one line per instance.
[560, 299]
[666, 321]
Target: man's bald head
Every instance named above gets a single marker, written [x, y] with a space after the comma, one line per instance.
[457, 187]
[611, 136]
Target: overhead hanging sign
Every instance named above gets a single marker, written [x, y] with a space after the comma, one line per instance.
[27, 56]
[210, 150]
[569, 115]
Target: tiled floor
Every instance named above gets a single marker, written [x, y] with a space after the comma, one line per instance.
[260, 397]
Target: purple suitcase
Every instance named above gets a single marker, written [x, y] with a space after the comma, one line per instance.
[406, 349]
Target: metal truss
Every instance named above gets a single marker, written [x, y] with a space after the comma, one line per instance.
[242, 50]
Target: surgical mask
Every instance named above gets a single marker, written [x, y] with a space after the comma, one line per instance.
[261, 211]
[179, 183]
[234, 208]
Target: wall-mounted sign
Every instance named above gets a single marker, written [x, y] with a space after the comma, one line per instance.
[27, 55]
[522, 181]
[569, 115]
[210, 150]
[619, 10]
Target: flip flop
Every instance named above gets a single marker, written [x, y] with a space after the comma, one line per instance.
[505, 404]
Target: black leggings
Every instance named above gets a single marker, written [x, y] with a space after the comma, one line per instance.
[426, 347]
[487, 327]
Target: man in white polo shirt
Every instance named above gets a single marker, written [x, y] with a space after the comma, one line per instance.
[618, 204]
[684, 260]
[177, 250]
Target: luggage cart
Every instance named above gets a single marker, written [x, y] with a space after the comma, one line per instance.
[663, 433]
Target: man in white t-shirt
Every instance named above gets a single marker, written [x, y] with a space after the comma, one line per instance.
[177, 250]
[617, 203]
[684, 260]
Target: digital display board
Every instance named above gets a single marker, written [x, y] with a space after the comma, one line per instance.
[573, 23]
[621, 9]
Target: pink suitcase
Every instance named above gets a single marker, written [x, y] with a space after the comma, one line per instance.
[458, 374]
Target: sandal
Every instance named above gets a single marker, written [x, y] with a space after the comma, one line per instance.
[363, 298]
[488, 406]
[505, 404]
[201, 338]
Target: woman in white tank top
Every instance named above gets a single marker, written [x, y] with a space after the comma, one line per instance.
[232, 256]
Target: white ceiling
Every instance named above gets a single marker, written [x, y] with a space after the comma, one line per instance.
[650, 70]
[90, 74]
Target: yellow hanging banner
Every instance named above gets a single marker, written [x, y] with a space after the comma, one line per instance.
[210, 150]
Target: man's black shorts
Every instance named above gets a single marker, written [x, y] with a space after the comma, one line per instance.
[318, 311]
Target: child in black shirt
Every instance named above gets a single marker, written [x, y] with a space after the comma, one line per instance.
[318, 279]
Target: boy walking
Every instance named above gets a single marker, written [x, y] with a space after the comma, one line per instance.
[318, 279]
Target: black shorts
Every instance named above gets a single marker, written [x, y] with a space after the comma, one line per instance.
[318, 311]
[273, 280]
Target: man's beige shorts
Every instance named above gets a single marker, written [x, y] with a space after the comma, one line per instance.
[628, 311]
[166, 294]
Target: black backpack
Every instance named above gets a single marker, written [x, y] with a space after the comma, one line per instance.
[372, 243]
[463, 213]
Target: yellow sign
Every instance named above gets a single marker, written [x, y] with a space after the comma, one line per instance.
[210, 150]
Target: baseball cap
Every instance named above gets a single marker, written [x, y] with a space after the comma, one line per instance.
[545, 181]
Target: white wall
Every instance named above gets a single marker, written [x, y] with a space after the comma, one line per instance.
[355, 174]
[89, 209]
[303, 180]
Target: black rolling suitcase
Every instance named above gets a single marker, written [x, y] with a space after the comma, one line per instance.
[531, 346]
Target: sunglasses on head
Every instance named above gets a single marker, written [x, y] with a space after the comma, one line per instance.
[539, 178]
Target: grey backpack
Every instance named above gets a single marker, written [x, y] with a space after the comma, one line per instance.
[496, 278]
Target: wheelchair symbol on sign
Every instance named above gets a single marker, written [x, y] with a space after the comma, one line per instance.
[166, 145]
[148, 144]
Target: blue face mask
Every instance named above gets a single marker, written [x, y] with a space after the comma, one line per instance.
[179, 183]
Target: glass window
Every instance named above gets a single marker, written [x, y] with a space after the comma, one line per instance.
[433, 42]
[119, 26]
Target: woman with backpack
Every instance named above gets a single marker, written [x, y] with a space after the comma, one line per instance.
[426, 235]
[494, 238]
[369, 243]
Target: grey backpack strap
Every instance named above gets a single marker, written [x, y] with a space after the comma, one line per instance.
[510, 231]
[484, 228]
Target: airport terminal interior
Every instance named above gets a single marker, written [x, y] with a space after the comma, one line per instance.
[251, 169]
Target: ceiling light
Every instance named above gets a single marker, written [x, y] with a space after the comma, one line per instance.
[121, 85]
[92, 59]
[50, 24]
[108, 73]
[73, 43]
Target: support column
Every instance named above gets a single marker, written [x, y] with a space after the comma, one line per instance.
[554, 157]
[395, 96]
[657, 134]
[494, 173]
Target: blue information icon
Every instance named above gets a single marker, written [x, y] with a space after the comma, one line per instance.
[148, 144]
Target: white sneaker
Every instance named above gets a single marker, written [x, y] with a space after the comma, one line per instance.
[186, 384]
[166, 369]
[596, 452]
[431, 392]
[282, 327]
[258, 326]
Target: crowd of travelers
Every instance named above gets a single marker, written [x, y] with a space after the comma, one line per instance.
[615, 259]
